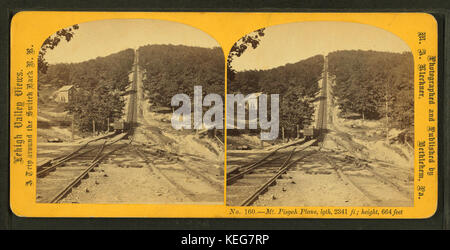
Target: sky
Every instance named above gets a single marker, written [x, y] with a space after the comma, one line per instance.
[282, 44]
[102, 38]
[290, 43]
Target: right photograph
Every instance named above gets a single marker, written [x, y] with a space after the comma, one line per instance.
[320, 114]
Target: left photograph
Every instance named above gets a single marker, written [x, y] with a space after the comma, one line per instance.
[109, 100]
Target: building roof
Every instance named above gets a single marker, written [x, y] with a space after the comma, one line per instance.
[65, 88]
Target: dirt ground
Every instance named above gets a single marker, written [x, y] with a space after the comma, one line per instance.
[177, 167]
[354, 167]
[124, 180]
[318, 183]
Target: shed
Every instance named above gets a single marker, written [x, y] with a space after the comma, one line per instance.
[64, 94]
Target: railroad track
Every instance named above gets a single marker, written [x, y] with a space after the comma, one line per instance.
[246, 183]
[55, 182]
[177, 175]
[321, 122]
[83, 149]
[376, 188]
[57, 177]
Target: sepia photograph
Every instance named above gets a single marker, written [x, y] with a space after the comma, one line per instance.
[224, 115]
[106, 129]
[323, 116]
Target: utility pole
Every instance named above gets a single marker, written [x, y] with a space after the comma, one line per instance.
[387, 112]
[73, 125]
[93, 127]
[387, 122]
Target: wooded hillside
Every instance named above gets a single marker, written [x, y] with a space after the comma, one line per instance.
[297, 85]
[99, 84]
[171, 70]
[375, 85]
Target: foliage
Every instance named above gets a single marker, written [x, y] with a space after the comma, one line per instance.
[297, 85]
[253, 39]
[51, 42]
[372, 83]
[99, 84]
[171, 70]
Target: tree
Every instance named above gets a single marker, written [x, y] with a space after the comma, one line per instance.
[100, 84]
[171, 70]
[296, 84]
[375, 85]
[96, 106]
[51, 42]
[253, 39]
